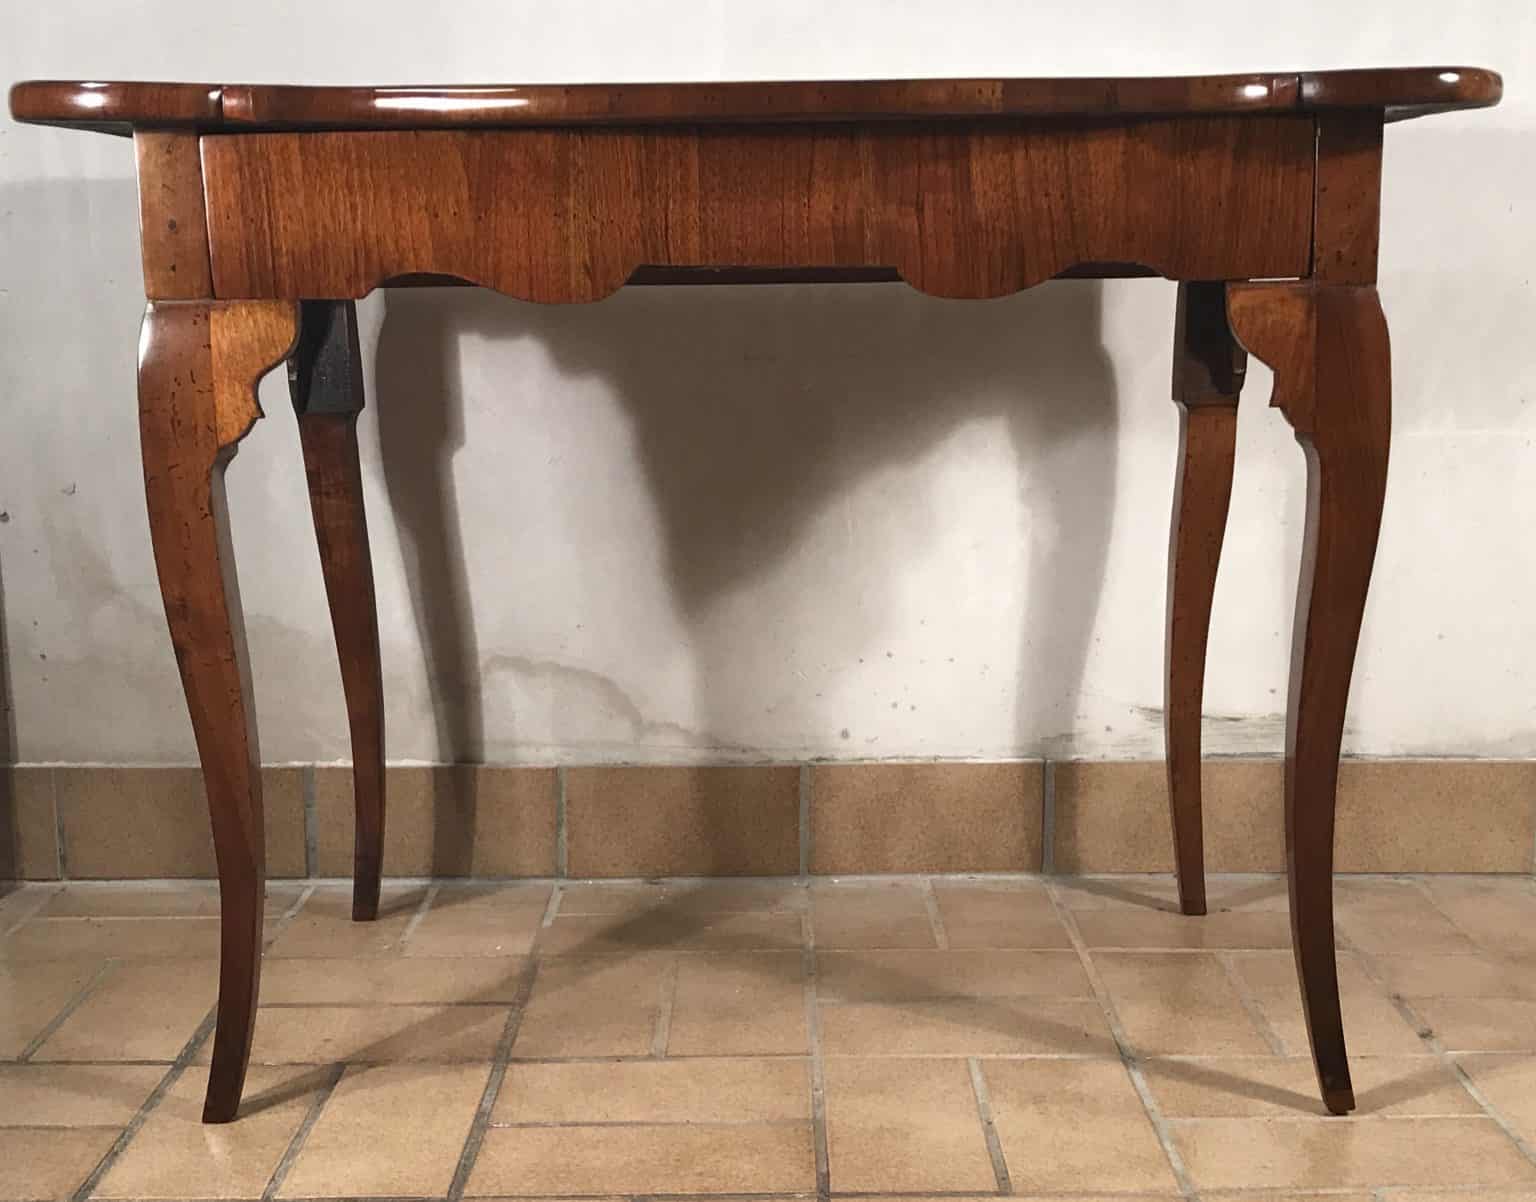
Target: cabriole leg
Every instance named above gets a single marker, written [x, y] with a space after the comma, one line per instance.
[1207, 378]
[1328, 346]
[325, 379]
[198, 366]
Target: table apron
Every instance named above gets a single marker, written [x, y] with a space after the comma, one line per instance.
[969, 209]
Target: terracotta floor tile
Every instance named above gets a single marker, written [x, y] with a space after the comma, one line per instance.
[612, 934]
[183, 899]
[472, 920]
[733, 1158]
[1472, 1194]
[21, 900]
[1497, 913]
[373, 1034]
[1480, 1024]
[174, 1155]
[682, 897]
[656, 1091]
[933, 1141]
[1303, 1153]
[1158, 893]
[122, 938]
[324, 927]
[43, 1164]
[379, 980]
[144, 1010]
[1179, 1003]
[70, 1095]
[882, 975]
[1259, 1087]
[1373, 1024]
[968, 1027]
[1509, 1084]
[1015, 914]
[392, 1130]
[1484, 975]
[1066, 1124]
[32, 995]
[1275, 971]
[742, 1004]
[882, 915]
[607, 1006]
[1152, 929]
[1379, 915]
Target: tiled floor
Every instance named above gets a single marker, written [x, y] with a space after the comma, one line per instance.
[1051, 1038]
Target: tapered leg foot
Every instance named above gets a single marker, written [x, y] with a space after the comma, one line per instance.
[325, 379]
[1328, 345]
[198, 364]
[1208, 370]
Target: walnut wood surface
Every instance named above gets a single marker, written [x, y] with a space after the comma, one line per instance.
[198, 367]
[1208, 368]
[173, 223]
[121, 107]
[325, 379]
[1329, 350]
[957, 211]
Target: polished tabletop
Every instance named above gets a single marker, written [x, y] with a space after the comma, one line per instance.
[121, 107]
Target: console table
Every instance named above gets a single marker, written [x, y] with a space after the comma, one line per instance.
[266, 210]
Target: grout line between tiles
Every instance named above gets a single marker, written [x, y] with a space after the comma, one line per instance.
[1122, 1043]
[296, 1144]
[935, 917]
[1251, 1004]
[307, 786]
[662, 1033]
[562, 832]
[1048, 817]
[805, 820]
[74, 1003]
[552, 908]
[988, 1127]
[416, 918]
[173, 1074]
[46, 892]
[500, 1060]
[818, 1064]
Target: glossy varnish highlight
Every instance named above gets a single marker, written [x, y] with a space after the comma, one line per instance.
[121, 107]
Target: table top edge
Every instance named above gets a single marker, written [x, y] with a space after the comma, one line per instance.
[121, 107]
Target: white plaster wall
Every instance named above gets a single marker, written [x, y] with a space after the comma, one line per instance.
[771, 523]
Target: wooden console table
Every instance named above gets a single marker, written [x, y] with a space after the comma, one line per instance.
[265, 211]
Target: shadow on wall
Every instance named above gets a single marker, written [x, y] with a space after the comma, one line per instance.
[752, 408]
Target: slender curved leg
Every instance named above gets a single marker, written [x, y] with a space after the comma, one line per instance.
[198, 365]
[1328, 346]
[1207, 378]
[325, 379]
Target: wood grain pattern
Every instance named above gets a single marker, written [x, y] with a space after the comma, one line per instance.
[1347, 224]
[1208, 368]
[1329, 348]
[120, 107]
[972, 212]
[325, 379]
[173, 223]
[193, 356]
